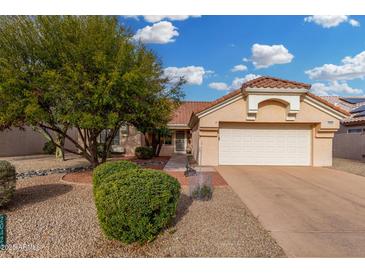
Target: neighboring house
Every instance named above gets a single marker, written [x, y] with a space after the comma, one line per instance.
[349, 140]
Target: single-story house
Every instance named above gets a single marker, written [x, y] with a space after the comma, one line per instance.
[268, 121]
[349, 140]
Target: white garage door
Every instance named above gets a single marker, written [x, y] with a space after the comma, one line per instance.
[265, 145]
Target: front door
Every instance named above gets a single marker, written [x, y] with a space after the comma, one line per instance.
[180, 141]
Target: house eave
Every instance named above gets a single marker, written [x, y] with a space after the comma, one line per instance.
[178, 126]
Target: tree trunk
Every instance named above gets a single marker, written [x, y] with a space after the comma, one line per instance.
[94, 151]
[160, 143]
[60, 152]
[146, 139]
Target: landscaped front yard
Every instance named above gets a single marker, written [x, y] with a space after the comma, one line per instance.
[48, 218]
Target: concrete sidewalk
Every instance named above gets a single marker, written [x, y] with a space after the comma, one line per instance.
[177, 162]
[311, 212]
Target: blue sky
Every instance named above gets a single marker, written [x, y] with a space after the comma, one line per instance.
[326, 51]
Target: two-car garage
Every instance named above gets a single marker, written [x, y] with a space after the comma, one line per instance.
[265, 144]
[269, 121]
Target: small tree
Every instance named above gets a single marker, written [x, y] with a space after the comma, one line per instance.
[83, 72]
[153, 123]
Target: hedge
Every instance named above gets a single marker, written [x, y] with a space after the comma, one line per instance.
[135, 205]
[143, 152]
[103, 171]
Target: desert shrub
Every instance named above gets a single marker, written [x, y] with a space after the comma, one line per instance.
[103, 171]
[135, 205]
[200, 186]
[100, 151]
[144, 152]
[203, 192]
[7, 182]
[49, 148]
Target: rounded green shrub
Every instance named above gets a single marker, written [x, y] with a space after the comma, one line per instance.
[103, 171]
[135, 205]
[49, 148]
[7, 182]
[143, 152]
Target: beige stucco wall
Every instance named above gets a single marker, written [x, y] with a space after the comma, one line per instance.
[195, 141]
[132, 140]
[272, 111]
[16, 142]
[167, 150]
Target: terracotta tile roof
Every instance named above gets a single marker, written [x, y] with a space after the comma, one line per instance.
[183, 113]
[273, 82]
[351, 120]
[220, 99]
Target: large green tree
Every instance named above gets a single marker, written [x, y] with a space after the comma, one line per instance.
[81, 72]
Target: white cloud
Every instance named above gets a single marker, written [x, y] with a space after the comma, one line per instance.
[330, 21]
[160, 33]
[239, 68]
[237, 82]
[192, 74]
[334, 88]
[219, 86]
[264, 56]
[354, 23]
[157, 18]
[135, 17]
[351, 68]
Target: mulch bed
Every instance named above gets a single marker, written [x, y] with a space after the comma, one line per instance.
[158, 163]
[85, 177]
[217, 179]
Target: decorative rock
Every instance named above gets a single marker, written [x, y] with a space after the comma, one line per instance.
[45, 172]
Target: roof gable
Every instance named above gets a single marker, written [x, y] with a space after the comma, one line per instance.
[267, 82]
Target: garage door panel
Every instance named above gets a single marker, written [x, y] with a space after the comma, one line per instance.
[265, 146]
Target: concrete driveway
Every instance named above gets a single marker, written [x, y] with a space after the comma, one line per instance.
[311, 212]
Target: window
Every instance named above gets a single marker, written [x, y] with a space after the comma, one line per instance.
[124, 129]
[168, 139]
[354, 130]
[116, 139]
[103, 135]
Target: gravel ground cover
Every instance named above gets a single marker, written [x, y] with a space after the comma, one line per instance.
[44, 162]
[52, 219]
[351, 166]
